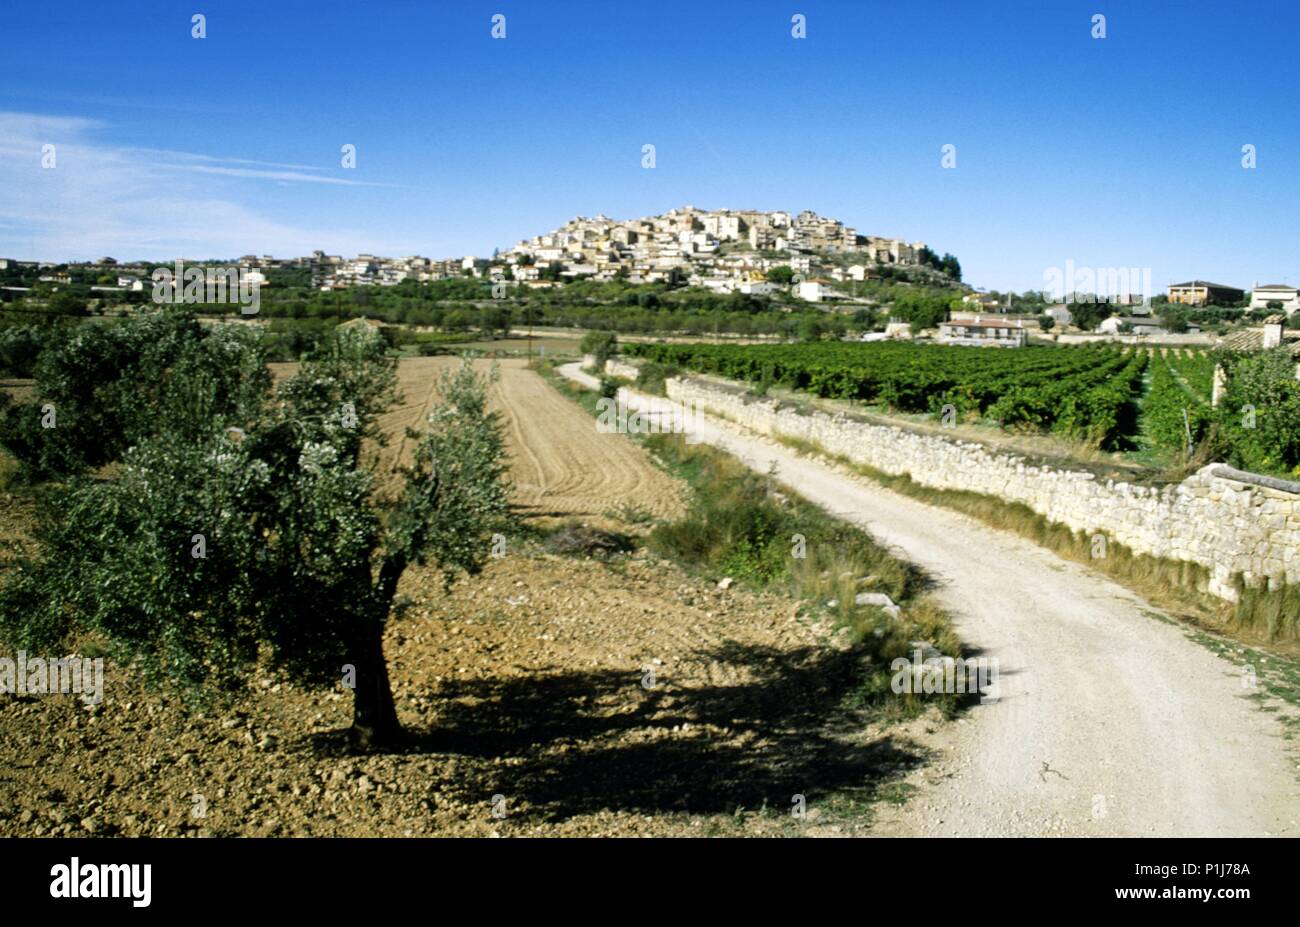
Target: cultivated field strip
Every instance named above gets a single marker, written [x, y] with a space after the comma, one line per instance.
[562, 467]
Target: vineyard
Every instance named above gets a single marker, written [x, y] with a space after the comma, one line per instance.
[1088, 393]
[1176, 413]
[1153, 402]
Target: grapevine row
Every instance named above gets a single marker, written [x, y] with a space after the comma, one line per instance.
[1082, 392]
[1168, 402]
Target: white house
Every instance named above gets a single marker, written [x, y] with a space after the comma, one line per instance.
[819, 290]
[983, 333]
[716, 284]
[1140, 326]
[1288, 296]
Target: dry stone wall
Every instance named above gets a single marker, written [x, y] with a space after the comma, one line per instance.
[1225, 520]
[617, 368]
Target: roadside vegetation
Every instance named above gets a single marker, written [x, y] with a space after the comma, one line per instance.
[746, 528]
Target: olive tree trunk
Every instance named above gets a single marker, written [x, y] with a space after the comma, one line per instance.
[374, 714]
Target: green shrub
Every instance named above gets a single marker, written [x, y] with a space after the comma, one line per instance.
[1260, 415]
[601, 345]
[652, 377]
[105, 388]
[20, 346]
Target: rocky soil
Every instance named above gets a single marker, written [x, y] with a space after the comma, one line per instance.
[551, 695]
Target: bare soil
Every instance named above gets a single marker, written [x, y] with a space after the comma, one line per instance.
[561, 466]
[551, 695]
[530, 682]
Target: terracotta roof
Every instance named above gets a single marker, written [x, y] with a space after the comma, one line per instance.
[984, 324]
[1215, 286]
[1248, 339]
[1252, 339]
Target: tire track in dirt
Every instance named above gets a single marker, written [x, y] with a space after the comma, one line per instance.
[562, 466]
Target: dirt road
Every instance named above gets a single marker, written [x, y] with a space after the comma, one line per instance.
[1109, 721]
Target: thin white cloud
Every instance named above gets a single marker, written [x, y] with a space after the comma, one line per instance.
[290, 176]
[167, 153]
[133, 203]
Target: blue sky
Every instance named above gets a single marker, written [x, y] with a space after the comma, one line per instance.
[1115, 152]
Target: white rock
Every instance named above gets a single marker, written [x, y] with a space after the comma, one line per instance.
[880, 599]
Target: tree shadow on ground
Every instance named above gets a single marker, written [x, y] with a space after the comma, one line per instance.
[581, 742]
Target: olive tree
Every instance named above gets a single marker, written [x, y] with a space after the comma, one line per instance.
[269, 537]
[101, 388]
